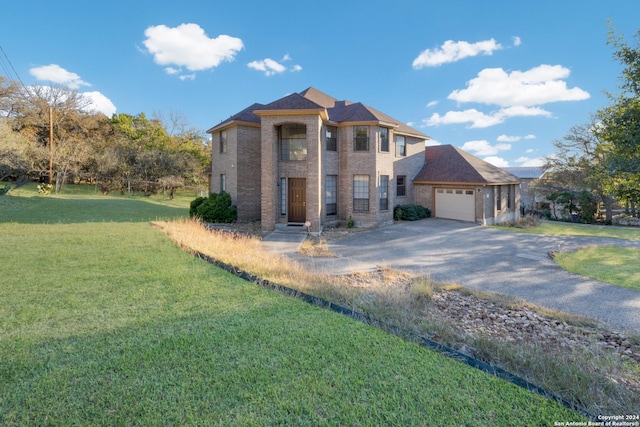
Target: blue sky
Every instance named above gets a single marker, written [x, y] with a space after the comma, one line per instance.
[500, 79]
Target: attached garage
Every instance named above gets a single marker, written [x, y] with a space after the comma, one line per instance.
[455, 204]
[456, 185]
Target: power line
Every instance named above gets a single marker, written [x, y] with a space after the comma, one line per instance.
[8, 68]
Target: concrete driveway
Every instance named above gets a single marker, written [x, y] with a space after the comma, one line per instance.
[487, 259]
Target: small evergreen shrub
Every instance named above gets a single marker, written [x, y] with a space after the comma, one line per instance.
[193, 206]
[5, 189]
[215, 208]
[410, 212]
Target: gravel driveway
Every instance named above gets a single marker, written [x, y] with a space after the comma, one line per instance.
[488, 259]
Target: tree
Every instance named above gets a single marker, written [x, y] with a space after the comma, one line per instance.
[619, 127]
[580, 162]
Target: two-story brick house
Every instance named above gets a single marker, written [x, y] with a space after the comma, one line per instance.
[309, 157]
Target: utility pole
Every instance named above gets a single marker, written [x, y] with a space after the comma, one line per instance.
[50, 145]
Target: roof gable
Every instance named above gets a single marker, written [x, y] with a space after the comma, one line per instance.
[295, 101]
[318, 97]
[449, 164]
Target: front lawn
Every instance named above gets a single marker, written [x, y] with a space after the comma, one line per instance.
[556, 228]
[107, 322]
[615, 265]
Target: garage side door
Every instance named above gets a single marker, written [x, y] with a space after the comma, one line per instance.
[455, 204]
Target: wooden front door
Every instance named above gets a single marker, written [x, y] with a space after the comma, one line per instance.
[297, 199]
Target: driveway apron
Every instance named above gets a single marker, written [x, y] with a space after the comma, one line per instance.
[487, 259]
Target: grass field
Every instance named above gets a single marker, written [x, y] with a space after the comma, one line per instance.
[107, 322]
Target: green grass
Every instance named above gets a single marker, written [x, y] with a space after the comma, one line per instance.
[107, 322]
[25, 205]
[568, 229]
[615, 265]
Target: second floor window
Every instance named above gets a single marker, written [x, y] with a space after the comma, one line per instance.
[223, 183]
[384, 139]
[332, 138]
[361, 138]
[293, 142]
[401, 146]
[223, 141]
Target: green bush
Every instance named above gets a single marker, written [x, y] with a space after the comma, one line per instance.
[193, 206]
[5, 189]
[410, 212]
[215, 208]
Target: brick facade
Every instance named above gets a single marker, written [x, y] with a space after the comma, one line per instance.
[255, 173]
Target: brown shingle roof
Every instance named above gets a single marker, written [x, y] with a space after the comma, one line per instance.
[449, 164]
[245, 115]
[295, 101]
[313, 99]
[318, 97]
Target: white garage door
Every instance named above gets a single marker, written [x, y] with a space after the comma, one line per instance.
[455, 204]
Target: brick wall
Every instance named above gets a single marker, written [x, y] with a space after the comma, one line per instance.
[248, 173]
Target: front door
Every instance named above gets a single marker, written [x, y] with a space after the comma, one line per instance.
[297, 200]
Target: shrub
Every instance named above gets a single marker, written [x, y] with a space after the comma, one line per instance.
[5, 189]
[410, 212]
[351, 223]
[215, 208]
[45, 189]
[527, 221]
[193, 206]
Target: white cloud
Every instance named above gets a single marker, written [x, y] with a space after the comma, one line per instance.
[497, 161]
[483, 148]
[527, 161]
[184, 77]
[171, 70]
[97, 102]
[517, 41]
[451, 51]
[507, 138]
[432, 104]
[270, 67]
[187, 45]
[478, 119]
[431, 143]
[56, 74]
[537, 86]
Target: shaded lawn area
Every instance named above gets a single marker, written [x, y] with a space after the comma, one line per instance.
[111, 323]
[615, 265]
[23, 206]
